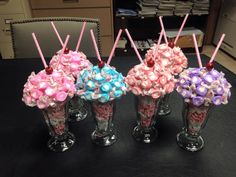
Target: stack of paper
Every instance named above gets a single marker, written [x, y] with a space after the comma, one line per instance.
[183, 7]
[166, 7]
[125, 12]
[200, 7]
[147, 7]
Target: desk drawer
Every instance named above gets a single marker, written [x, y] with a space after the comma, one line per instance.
[10, 7]
[57, 4]
[103, 14]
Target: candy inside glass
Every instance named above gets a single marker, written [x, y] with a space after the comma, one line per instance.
[195, 119]
[56, 119]
[103, 113]
[146, 108]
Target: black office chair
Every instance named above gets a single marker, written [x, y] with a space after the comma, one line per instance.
[23, 44]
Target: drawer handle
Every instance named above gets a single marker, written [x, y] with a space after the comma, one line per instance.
[6, 30]
[70, 1]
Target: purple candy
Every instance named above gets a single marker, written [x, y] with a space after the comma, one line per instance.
[208, 79]
[184, 83]
[215, 73]
[194, 72]
[219, 90]
[201, 90]
[197, 101]
[186, 93]
[196, 80]
[217, 100]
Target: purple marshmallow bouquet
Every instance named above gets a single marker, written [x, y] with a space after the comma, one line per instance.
[202, 89]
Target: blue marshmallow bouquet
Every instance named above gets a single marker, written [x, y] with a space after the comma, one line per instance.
[101, 84]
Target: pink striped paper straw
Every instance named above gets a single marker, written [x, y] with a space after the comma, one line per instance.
[160, 37]
[197, 51]
[58, 35]
[135, 48]
[217, 48]
[63, 49]
[64, 46]
[114, 47]
[162, 27]
[39, 50]
[80, 36]
[95, 45]
[181, 28]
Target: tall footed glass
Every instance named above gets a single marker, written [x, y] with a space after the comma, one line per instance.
[103, 113]
[78, 109]
[146, 108]
[164, 108]
[56, 119]
[195, 119]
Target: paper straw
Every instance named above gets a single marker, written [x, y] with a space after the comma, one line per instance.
[58, 35]
[181, 28]
[135, 48]
[160, 37]
[162, 27]
[64, 47]
[114, 46]
[39, 50]
[197, 51]
[80, 36]
[95, 45]
[217, 48]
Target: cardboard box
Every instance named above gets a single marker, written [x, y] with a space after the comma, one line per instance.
[186, 39]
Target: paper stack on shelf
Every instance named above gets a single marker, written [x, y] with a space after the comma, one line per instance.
[147, 7]
[125, 12]
[200, 7]
[183, 7]
[142, 45]
[166, 7]
[122, 43]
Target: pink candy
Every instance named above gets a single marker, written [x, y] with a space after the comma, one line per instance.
[70, 63]
[150, 81]
[43, 90]
[169, 58]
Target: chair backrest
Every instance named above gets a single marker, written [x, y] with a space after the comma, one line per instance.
[23, 44]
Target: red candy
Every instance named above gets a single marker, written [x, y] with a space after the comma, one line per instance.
[49, 70]
[209, 66]
[101, 64]
[171, 44]
[150, 63]
[66, 51]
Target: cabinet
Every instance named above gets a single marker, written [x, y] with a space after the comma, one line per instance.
[227, 24]
[102, 10]
[10, 10]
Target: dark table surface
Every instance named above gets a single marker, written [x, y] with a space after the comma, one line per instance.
[23, 136]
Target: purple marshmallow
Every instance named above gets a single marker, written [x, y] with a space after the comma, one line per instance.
[219, 90]
[186, 93]
[208, 79]
[215, 73]
[201, 90]
[196, 80]
[217, 100]
[194, 72]
[197, 101]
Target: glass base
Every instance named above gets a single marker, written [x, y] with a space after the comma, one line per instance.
[77, 115]
[103, 140]
[145, 136]
[62, 143]
[164, 110]
[189, 142]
